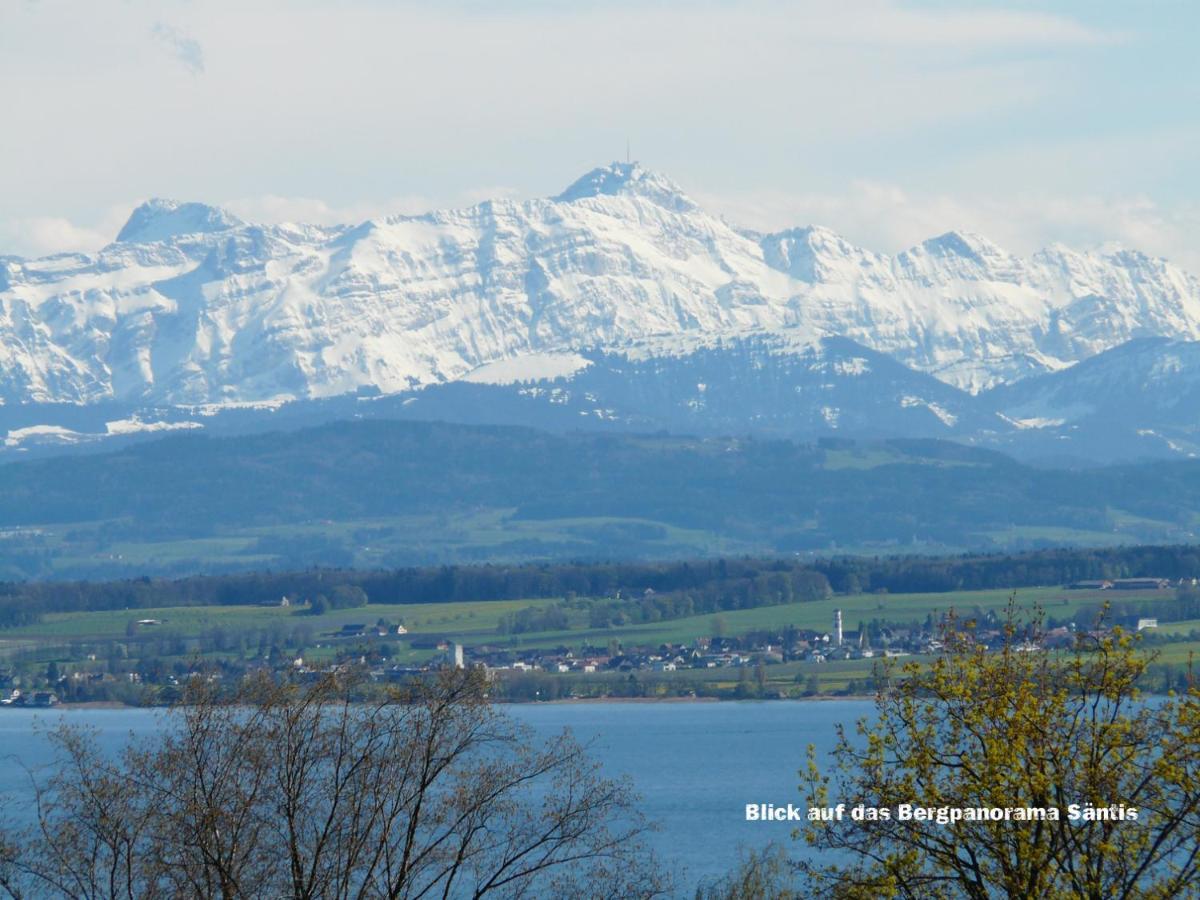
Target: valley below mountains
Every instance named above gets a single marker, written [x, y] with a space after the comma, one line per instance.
[381, 494]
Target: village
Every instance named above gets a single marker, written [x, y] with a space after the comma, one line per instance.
[372, 648]
[154, 661]
[784, 646]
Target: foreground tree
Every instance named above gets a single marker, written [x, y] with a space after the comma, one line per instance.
[1014, 727]
[290, 792]
[765, 874]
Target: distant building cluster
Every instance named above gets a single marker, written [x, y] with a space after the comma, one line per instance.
[373, 647]
[42, 699]
[1130, 584]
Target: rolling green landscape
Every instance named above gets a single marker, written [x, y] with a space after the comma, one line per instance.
[372, 494]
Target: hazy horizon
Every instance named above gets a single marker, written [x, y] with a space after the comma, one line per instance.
[888, 122]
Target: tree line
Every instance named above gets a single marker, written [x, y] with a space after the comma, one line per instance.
[645, 590]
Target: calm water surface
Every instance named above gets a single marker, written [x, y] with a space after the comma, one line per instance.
[696, 765]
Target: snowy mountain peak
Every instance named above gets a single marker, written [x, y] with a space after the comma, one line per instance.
[628, 179]
[817, 237]
[161, 220]
[966, 244]
[963, 256]
[193, 306]
[814, 253]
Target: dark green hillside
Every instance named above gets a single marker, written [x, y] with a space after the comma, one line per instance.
[393, 493]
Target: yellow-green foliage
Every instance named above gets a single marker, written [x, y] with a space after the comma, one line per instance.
[1014, 727]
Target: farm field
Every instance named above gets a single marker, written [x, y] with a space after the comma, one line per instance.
[819, 615]
[1185, 627]
[480, 617]
[476, 622]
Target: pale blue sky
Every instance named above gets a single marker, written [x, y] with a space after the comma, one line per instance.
[889, 121]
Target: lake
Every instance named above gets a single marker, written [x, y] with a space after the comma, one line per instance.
[696, 765]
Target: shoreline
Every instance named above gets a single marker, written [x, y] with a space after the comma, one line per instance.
[561, 701]
[822, 698]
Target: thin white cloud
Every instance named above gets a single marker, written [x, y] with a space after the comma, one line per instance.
[273, 209]
[472, 196]
[35, 236]
[889, 23]
[873, 22]
[886, 218]
[308, 111]
[182, 47]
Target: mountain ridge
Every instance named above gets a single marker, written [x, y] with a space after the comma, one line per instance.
[1135, 402]
[192, 305]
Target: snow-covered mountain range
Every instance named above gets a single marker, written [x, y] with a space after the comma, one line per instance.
[191, 306]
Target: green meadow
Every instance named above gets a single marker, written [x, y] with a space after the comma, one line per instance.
[476, 622]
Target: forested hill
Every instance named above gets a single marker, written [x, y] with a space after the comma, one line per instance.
[374, 493]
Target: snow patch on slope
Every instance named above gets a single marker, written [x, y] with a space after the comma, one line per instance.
[135, 426]
[49, 434]
[524, 369]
